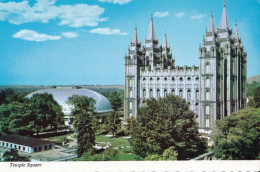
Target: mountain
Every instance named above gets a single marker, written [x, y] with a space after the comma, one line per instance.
[253, 78]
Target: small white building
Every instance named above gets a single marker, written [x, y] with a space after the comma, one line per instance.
[25, 144]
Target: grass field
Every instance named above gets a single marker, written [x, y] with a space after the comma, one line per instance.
[127, 154]
[58, 139]
[116, 142]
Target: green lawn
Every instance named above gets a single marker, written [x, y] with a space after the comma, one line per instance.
[116, 142]
[58, 139]
[126, 155]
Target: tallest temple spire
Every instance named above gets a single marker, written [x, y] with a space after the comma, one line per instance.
[224, 19]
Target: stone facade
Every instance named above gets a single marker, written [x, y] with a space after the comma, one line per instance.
[213, 90]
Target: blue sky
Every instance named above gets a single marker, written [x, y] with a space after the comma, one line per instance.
[48, 42]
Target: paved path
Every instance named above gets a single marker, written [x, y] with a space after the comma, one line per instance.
[74, 142]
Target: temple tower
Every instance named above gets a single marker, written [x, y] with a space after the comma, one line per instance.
[132, 67]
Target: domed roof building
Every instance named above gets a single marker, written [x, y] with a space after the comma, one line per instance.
[61, 95]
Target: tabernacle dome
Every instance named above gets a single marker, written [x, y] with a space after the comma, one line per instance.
[61, 95]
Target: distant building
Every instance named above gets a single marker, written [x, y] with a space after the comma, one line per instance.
[25, 144]
[214, 89]
[61, 95]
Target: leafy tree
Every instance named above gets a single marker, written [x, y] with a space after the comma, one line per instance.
[115, 100]
[154, 157]
[83, 108]
[8, 96]
[164, 123]
[111, 154]
[252, 87]
[127, 126]
[13, 156]
[113, 123]
[16, 118]
[238, 136]
[168, 155]
[47, 111]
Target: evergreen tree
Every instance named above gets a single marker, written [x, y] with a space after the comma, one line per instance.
[83, 108]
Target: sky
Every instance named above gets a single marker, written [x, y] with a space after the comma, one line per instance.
[83, 42]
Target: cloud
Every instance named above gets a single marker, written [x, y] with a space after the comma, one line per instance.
[43, 11]
[30, 35]
[108, 31]
[161, 14]
[197, 17]
[70, 34]
[181, 14]
[120, 2]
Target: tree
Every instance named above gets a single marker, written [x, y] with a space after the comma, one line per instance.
[237, 136]
[47, 111]
[113, 123]
[16, 118]
[83, 108]
[8, 96]
[253, 92]
[111, 154]
[96, 125]
[127, 126]
[13, 156]
[169, 154]
[115, 100]
[164, 123]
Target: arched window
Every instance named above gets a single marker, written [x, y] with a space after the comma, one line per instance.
[158, 93]
[151, 92]
[189, 79]
[197, 79]
[181, 93]
[189, 94]
[165, 92]
[144, 79]
[130, 105]
[207, 110]
[158, 79]
[208, 83]
[207, 95]
[197, 94]
[144, 93]
[173, 92]
[131, 93]
[173, 79]
[165, 79]
[207, 67]
[181, 79]
[151, 79]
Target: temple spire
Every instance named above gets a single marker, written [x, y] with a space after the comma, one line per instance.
[165, 43]
[236, 32]
[211, 24]
[135, 38]
[224, 19]
[151, 32]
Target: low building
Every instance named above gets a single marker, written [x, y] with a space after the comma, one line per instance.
[25, 144]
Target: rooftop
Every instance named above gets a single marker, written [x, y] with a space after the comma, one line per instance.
[23, 140]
